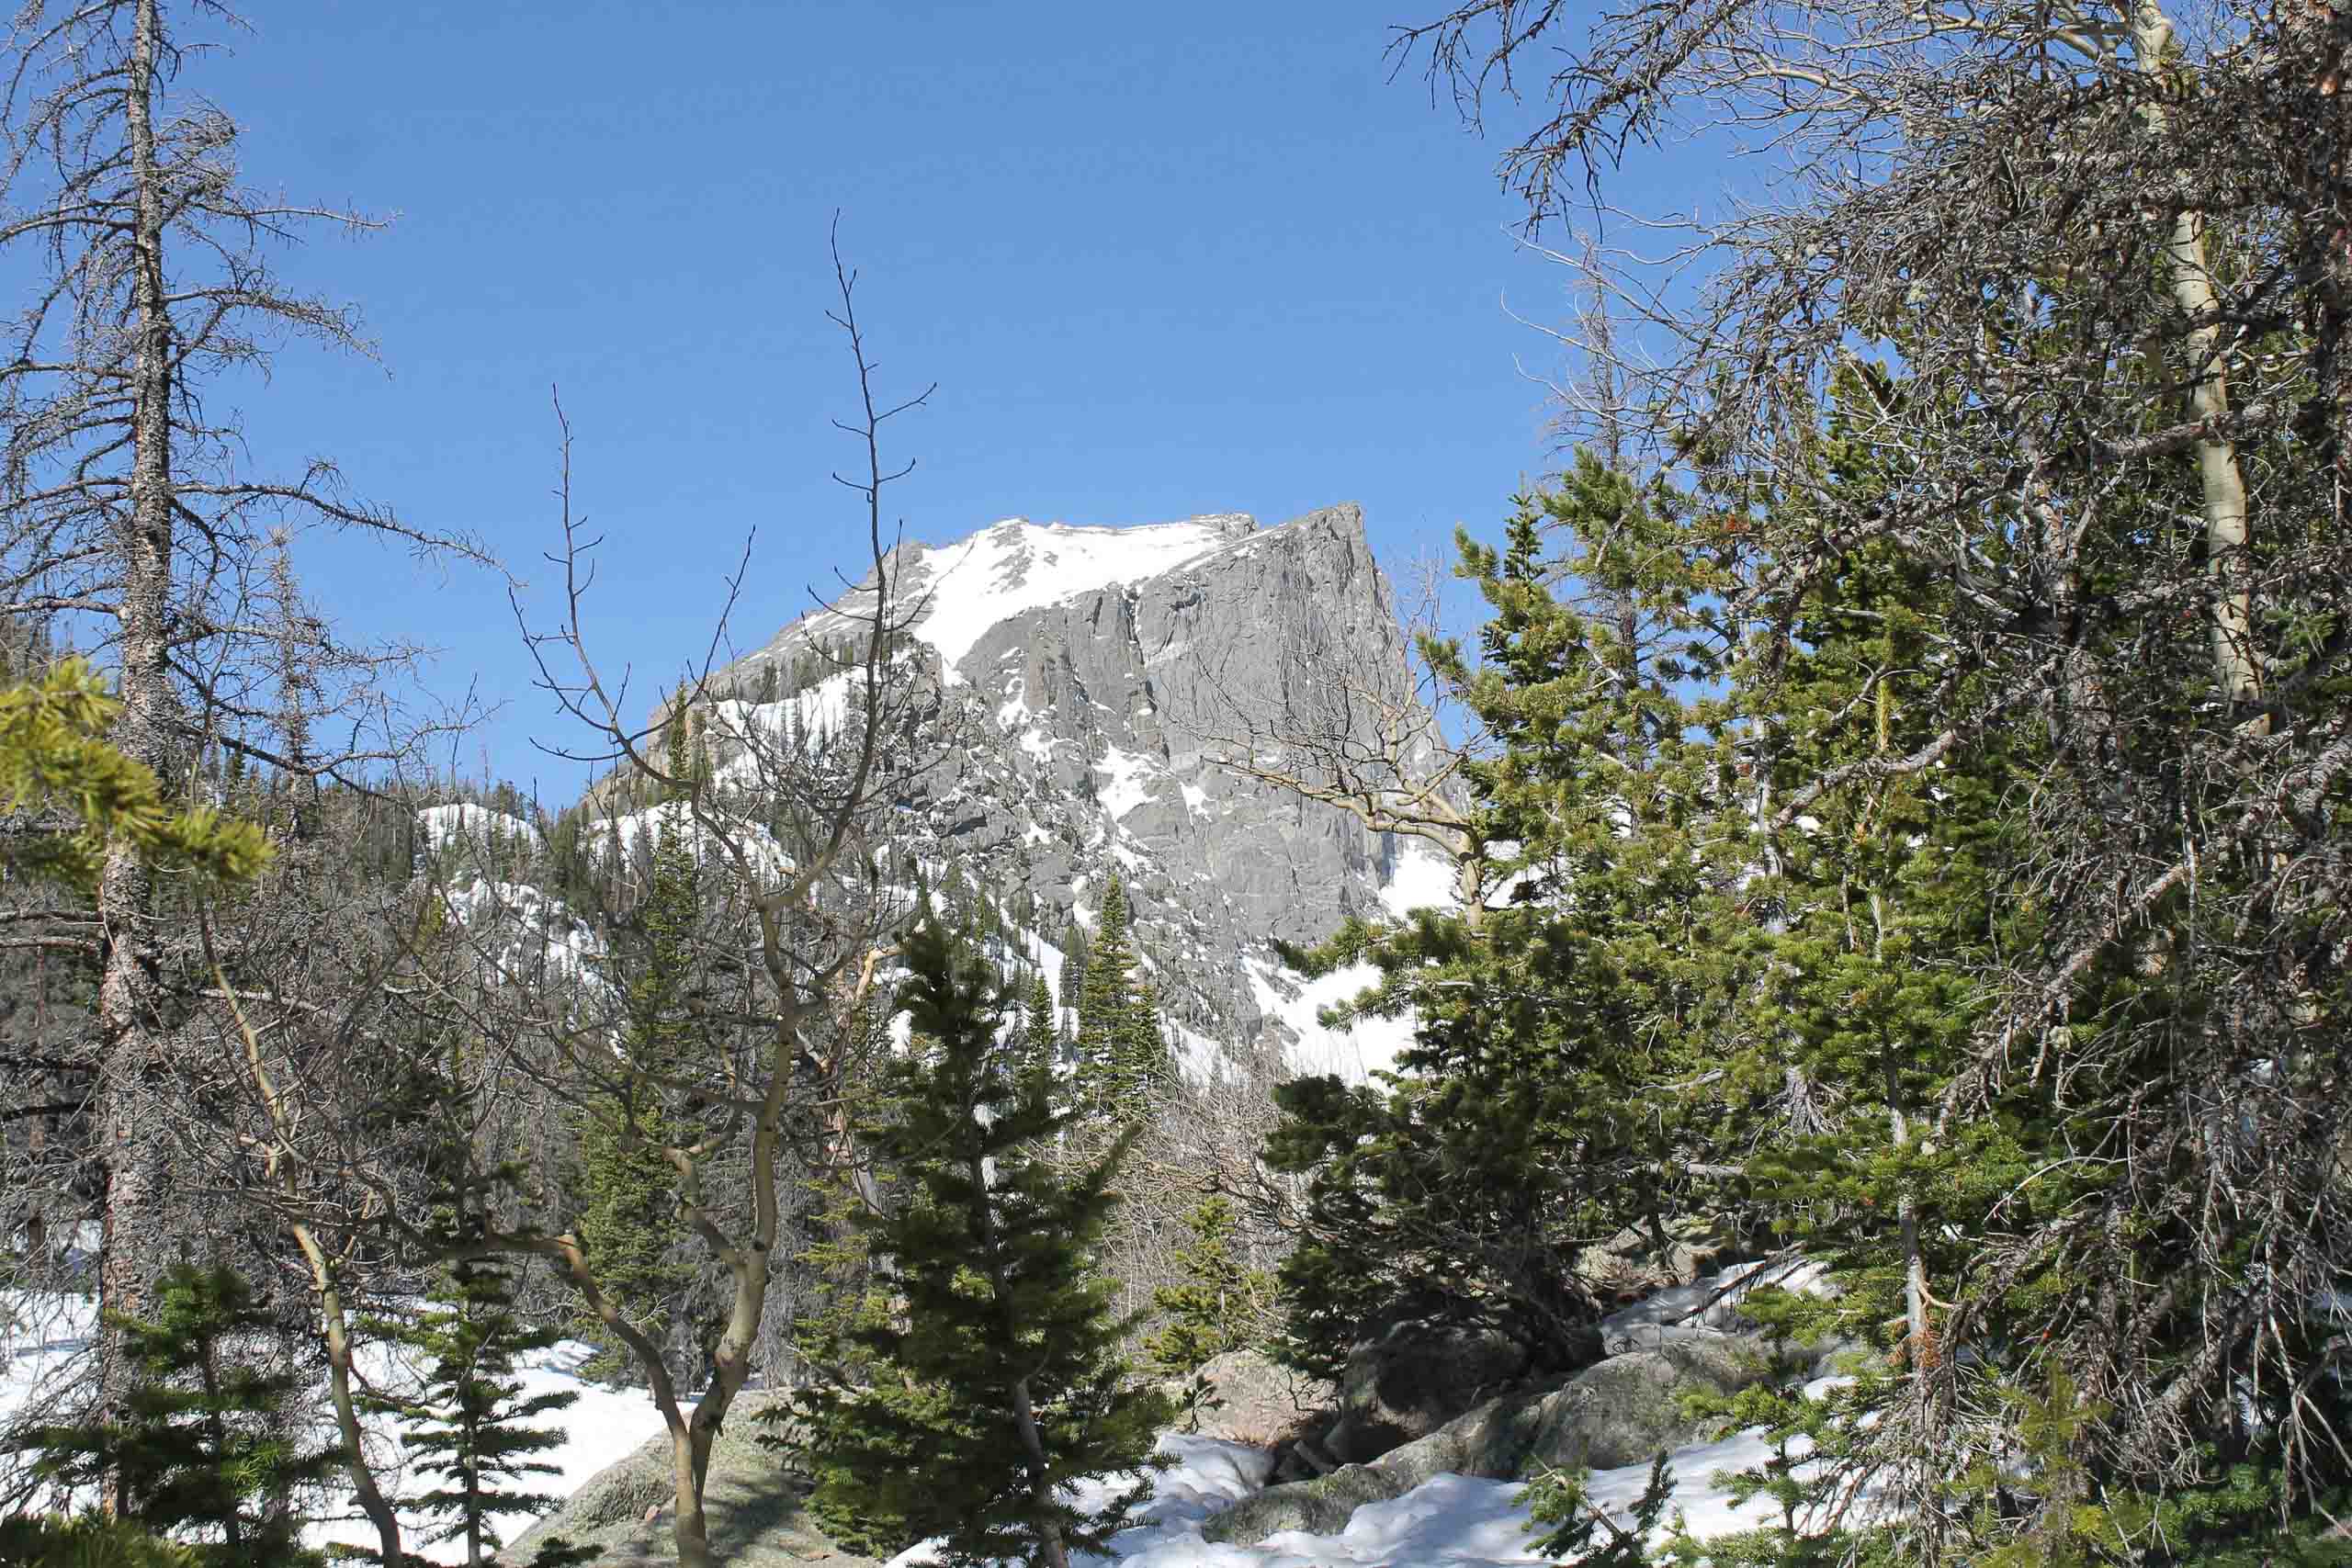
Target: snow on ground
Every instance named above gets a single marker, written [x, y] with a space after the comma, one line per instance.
[1019, 565]
[44, 1342]
[1450, 1521]
[601, 1428]
[1707, 1305]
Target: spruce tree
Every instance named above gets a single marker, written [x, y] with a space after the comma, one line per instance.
[1563, 1078]
[1122, 1055]
[1041, 1042]
[628, 1220]
[471, 1424]
[999, 1380]
[209, 1444]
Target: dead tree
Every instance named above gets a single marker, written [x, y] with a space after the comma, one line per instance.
[125, 510]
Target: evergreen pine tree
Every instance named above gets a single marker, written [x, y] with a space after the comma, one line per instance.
[999, 1378]
[1563, 1082]
[1041, 1042]
[471, 1424]
[629, 1219]
[1121, 1052]
[209, 1444]
[1223, 1304]
[1140, 1065]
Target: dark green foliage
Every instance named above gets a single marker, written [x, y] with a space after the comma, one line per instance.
[471, 1424]
[89, 1540]
[1223, 1304]
[210, 1445]
[1570, 1019]
[1041, 1039]
[628, 1188]
[1122, 1052]
[997, 1376]
[1590, 1536]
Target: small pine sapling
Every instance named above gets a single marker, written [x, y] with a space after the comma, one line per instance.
[1587, 1534]
[471, 1424]
[1222, 1304]
[208, 1443]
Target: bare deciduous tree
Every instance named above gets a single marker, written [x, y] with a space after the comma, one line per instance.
[792, 816]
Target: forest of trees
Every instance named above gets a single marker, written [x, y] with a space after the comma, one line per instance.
[1900, 798]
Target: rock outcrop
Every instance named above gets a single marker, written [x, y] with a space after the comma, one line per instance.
[1244, 1397]
[1687, 1340]
[1090, 679]
[753, 1505]
[1619, 1411]
[1413, 1379]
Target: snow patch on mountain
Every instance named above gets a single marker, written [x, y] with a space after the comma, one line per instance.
[1420, 879]
[662, 824]
[1354, 1052]
[1131, 782]
[462, 822]
[538, 929]
[1019, 565]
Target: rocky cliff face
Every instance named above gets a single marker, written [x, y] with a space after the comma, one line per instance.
[1091, 678]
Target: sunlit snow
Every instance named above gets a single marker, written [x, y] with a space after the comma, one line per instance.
[1131, 780]
[1450, 1521]
[465, 823]
[1019, 565]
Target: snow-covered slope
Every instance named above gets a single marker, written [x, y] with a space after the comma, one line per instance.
[1018, 566]
[1451, 1521]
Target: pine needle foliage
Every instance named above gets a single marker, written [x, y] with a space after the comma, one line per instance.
[1120, 1049]
[54, 754]
[629, 1219]
[1220, 1305]
[471, 1424]
[997, 1378]
[89, 1540]
[210, 1444]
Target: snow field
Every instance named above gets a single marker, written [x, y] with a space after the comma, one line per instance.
[1019, 565]
[1450, 1521]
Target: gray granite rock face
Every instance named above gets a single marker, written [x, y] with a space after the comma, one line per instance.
[1089, 727]
[1246, 1398]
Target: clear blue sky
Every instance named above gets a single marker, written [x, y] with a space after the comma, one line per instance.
[1161, 260]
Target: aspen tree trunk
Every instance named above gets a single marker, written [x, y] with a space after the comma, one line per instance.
[129, 1019]
[336, 1322]
[2227, 536]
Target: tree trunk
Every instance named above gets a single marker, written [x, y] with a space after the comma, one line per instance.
[1052, 1553]
[2227, 536]
[129, 1022]
[688, 1459]
[347, 1415]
